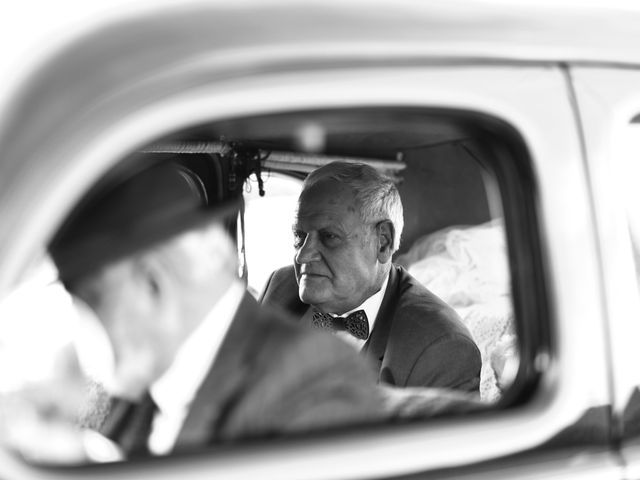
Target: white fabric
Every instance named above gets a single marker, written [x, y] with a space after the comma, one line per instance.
[462, 265]
[467, 267]
[176, 389]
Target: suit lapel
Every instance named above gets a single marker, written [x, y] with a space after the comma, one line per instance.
[375, 347]
[227, 376]
[289, 290]
[282, 291]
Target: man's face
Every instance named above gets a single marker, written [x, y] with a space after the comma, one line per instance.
[141, 344]
[336, 261]
[149, 304]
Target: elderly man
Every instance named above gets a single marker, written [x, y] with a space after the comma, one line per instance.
[348, 225]
[196, 358]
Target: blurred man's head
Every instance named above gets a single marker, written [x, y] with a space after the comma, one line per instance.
[347, 227]
[149, 282]
[150, 303]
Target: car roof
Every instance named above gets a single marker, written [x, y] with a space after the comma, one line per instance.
[161, 33]
[566, 30]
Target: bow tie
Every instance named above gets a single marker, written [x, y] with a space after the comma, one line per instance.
[355, 323]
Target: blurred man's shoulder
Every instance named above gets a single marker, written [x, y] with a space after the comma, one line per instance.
[281, 291]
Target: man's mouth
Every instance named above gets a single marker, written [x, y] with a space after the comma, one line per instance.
[312, 274]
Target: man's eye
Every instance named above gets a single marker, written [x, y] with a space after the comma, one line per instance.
[298, 239]
[329, 238]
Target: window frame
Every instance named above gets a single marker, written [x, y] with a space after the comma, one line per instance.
[609, 100]
[507, 92]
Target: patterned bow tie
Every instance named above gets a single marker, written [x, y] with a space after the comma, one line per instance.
[355, 323]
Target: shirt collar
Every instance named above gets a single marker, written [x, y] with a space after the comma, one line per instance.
[175, 389]
[371, 305]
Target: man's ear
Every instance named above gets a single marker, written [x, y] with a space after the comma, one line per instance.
[385, 234]
[149, 276]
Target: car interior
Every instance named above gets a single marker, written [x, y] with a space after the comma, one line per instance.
[460, 214]
[454, 239]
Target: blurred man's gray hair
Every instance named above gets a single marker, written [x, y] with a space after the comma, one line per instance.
[375, 193]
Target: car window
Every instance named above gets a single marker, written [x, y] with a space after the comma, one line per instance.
[454, 239]
[631, 137]
[628, 138]
[449, 168]
[267, 224]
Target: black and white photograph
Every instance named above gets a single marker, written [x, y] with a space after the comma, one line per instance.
[320, 240]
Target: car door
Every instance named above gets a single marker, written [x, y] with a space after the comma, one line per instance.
[608, 100]
[131, 84]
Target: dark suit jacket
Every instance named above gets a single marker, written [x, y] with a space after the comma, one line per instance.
[417, 339]
[270, 377]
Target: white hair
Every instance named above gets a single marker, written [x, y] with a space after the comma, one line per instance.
[376, 195]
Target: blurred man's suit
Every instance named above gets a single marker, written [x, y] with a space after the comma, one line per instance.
[271, 377]
[417, 340]
[137, 254]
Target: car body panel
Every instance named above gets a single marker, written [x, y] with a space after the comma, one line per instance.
[608, 101]
[107, 92]
[562, 397]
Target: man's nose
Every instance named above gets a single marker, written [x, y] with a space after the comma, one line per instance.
[308, 252]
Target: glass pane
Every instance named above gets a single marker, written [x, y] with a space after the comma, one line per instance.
[138, 326]
[631, 191]
[268, 227]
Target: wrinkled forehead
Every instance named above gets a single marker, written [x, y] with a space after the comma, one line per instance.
[328, 199]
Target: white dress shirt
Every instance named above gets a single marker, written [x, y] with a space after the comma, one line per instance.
[174, 391]
[371, 307]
